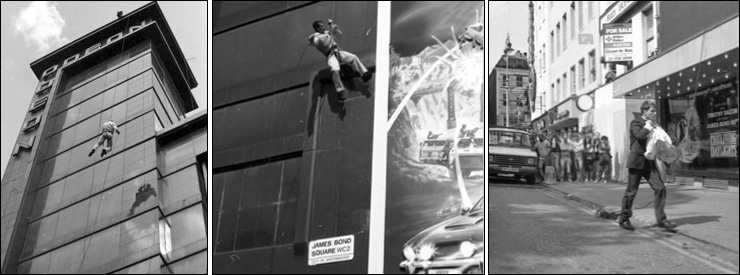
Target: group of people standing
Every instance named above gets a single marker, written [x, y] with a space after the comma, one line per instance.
[581, 157]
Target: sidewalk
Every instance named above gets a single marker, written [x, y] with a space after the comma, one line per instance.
[707, 215]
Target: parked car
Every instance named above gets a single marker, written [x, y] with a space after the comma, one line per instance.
[454, 246]
[510, 151]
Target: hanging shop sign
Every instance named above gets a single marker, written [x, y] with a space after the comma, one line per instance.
[618, 42]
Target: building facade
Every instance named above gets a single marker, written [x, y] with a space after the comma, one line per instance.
[292, 163]
[568, 63]
[509, 100]
[139, 209]
[684, 59]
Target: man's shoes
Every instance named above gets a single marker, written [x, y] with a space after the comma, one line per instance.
[367, 76]
[342, 95]
[626, 225]
[667, 225]
[102, 153]
[91, 153]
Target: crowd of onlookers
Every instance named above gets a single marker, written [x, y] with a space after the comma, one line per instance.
[575, 156]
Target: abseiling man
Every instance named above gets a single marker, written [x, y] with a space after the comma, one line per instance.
[323, 40]
[106, 137]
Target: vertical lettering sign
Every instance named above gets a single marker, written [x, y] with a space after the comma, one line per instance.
[618, 42]
[332, 250]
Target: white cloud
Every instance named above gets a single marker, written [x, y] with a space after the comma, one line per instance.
[41, 24]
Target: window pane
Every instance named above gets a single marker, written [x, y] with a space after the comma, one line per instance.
[180, 189]
[196, 264]
[185, 233]
[105, 251]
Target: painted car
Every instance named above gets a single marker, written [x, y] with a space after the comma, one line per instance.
[510, 152]
[435, 151]
[471, 154]
[454, 246]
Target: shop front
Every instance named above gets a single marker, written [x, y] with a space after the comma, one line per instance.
[565, 116]
[698, 108]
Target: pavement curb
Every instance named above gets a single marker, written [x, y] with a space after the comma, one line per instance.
[643, 219]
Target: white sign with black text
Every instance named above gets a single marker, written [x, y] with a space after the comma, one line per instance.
[331, 250]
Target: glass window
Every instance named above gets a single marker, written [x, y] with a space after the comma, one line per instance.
[184, 233]
[704, 125]
[592, 62]
[565, 85]
[573, 80]
[565, 31]
[649, 32]
[94, 213]
[582, 73]
[590, 10]
[580, 15]
[196, 264]
[552, 46]
[180, 189]
[263, 199]
[150, 266]
[557, 38]
[573, 20]
[176, 155]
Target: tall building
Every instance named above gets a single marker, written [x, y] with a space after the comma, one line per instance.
[568, 64]
[684, 58]
[140, 208]
[291, 163]
[509, 101]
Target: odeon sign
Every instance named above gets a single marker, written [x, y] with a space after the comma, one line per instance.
[72, 59]
[47, 81]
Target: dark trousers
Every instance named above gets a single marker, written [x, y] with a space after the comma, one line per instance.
[653, 178]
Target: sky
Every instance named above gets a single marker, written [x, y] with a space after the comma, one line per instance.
[510, 17]
[30, 30]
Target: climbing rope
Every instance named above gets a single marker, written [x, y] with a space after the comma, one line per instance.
[87, 247]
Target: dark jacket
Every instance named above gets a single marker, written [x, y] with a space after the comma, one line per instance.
[638, 145]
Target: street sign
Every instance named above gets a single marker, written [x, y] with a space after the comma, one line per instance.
[618, 42]
[585, 39]
[331, 250]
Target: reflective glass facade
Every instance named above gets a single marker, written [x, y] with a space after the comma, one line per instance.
[291, 163]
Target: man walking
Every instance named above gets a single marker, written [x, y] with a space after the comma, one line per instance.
[543, 153]
[323, 40]
[640, 167]
[106, 137]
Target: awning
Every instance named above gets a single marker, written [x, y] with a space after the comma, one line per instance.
[562, 124]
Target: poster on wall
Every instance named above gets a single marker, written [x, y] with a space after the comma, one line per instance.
[704, 126]
[435, 158]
